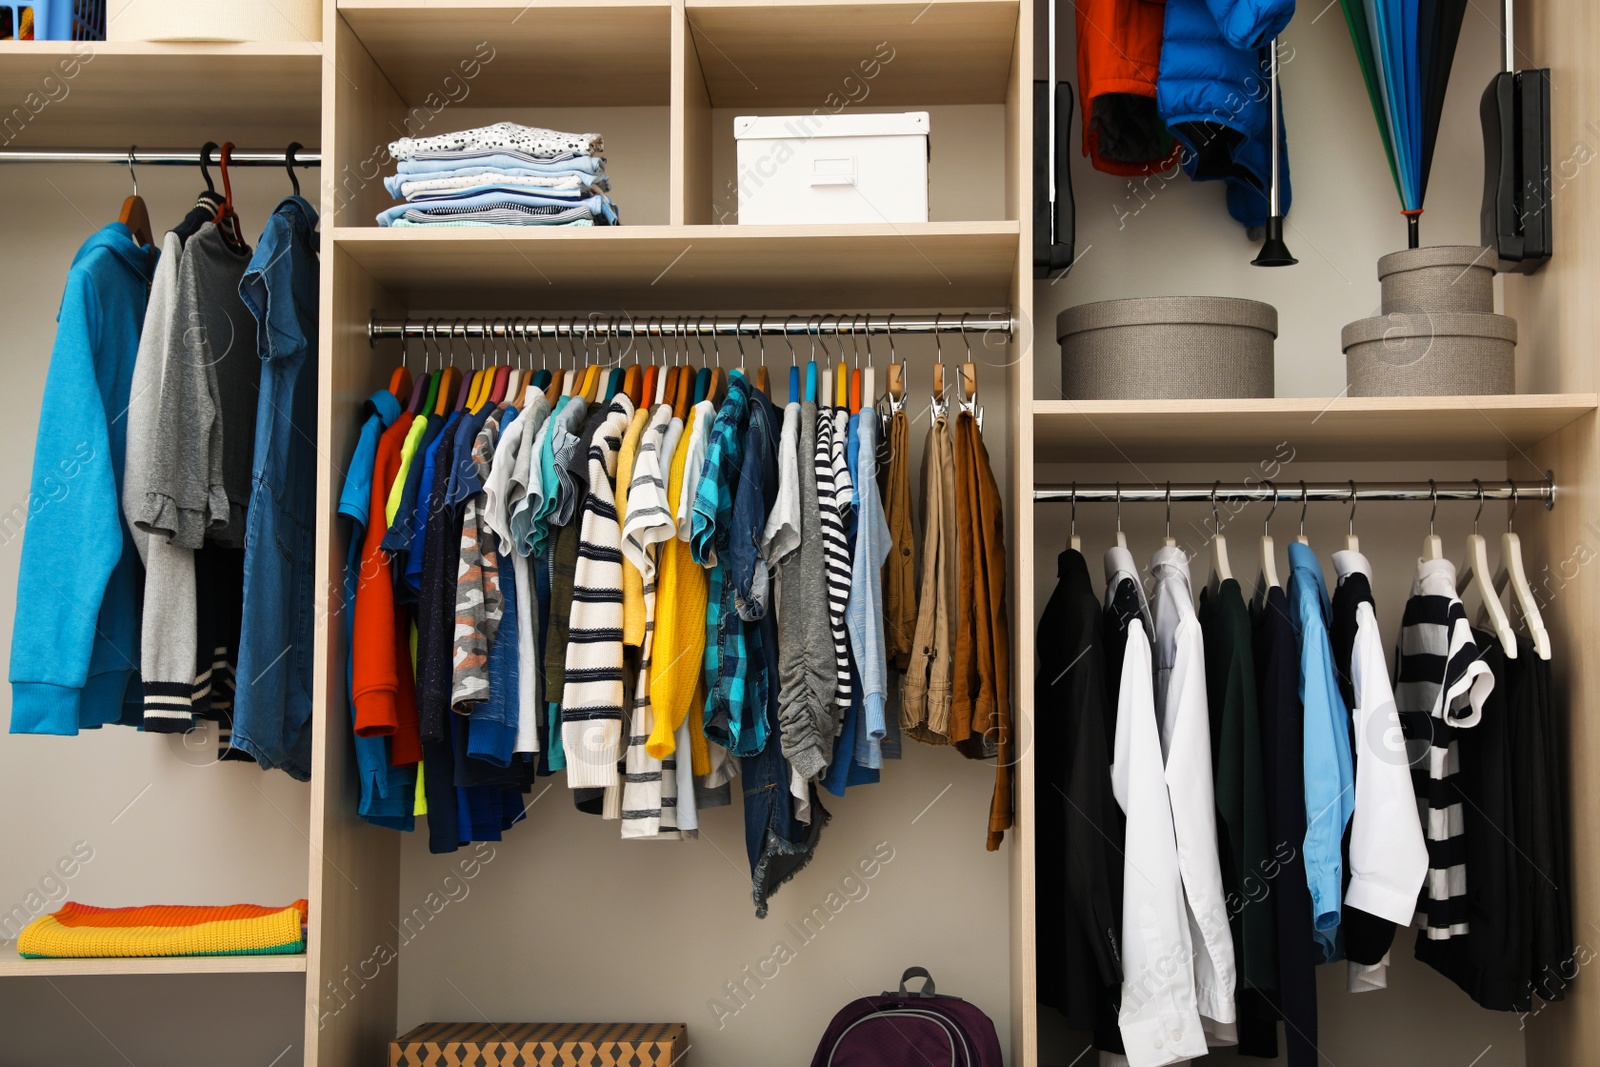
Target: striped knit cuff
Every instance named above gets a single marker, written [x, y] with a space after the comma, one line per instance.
[593, 747]
[168, 707]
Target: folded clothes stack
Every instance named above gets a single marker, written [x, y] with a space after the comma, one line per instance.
[79, 931]
[500, 175]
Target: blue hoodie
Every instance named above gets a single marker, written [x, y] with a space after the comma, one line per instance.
[75, 638]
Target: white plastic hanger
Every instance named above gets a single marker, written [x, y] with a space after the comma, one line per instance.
[1352, 543]
[1122, 542]
[1475, 572]
[1220, 571]
[1511, 572]
[1075, 541]
[1432, 547]
[1267, 576]
[1168, 539]
[1301, 536]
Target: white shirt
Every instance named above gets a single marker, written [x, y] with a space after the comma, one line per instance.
[1388, 856]
[1185, 725]
[1159, 1017]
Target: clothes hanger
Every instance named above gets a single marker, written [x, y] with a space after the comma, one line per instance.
[939, 407]
[482, 377]
[517, 390]
[897, 372]
[468, 385]
[855, 367]
[1122, 541]
[841, 377]
[134, 214]
[541, 377]
[1475, 572]
[227, 218]
[969, 379]
[449, 376]
[795, 393]
[633, 379]
[420, 388]
[288, 164]
[649, 375]
[824, 369]
[1301, 536]
[717, 391]
[1075, 542]
[1352, 543]
[811, 367]
[1267, 575]
[1167, 540]
[400, 377]
[1432, 547]
[763, 381]
[686, 384]
[1511, 572]
[869, 384]
[502, 375]
[1220, 571]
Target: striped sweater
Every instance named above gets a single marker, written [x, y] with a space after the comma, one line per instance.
[835, 496]
[1440, 687]
[591, 703]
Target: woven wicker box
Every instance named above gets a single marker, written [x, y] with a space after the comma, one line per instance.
[1172, 347]
[542, 1045]
[1438, 278]
[1448, 354]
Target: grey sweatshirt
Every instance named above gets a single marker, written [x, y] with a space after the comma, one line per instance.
[805, 641]
[168, 637]
[193, 484]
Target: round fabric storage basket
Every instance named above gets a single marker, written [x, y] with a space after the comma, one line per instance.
[216, 20]
[1167, 348]
[1438, 278]
[1448, 354]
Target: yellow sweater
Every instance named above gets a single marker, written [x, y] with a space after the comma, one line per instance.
[677, 663]
[633, 619]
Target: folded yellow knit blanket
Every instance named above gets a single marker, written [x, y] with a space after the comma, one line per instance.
[78, 930]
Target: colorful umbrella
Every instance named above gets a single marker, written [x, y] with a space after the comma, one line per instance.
[1405, 48]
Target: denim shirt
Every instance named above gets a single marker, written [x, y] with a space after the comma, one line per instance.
[272, 714]
[864, 610]
[386, 791]
[1329, 771]
[744, 608]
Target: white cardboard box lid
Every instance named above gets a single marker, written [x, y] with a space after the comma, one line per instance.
[802, 127]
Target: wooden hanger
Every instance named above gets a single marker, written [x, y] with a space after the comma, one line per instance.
[684, 397]
[135, 215]
[702, 384]
[938, 390]
[1475, 573]
[1267, 575]
[633, 383]
[449, 383]
[1301, 536]
[825, 392]
[897, 382]
[613, 383]
[1220, 571]
[940, 408]
[1512, 573]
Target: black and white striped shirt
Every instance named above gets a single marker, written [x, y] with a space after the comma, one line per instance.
[831, 496]
[1441, 682]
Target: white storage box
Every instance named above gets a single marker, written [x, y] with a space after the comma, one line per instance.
[832, 168]
[215, 20]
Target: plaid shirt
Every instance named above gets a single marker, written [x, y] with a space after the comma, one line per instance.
[727, 665]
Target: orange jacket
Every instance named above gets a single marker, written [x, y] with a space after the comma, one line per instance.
[1119, 57]
[383, 688]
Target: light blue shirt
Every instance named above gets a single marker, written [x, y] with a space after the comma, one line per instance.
[1330, 781]
[599, 205]
[864, 609]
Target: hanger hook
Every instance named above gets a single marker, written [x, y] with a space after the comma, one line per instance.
[966, 338]
[1433, 497]
[788, 339]
[738, 335]
[1169, 509]
[888, 328]
[1479, 513]
[1266, 523]
[761, 341]
[288, 164]
[838, 333]
[1352, 507]
[1119, 507]
[1302, 508]
[205, 162]
[131, 173]
[938, 341]
[1074, 509]
[867, 334]
[1215, 522]
[1512, 514]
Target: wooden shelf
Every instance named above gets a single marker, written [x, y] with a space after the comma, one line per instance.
[1344, 428]
[91, 94]
[520, 54]
[14, 966]
[946, 265]
[755, 53]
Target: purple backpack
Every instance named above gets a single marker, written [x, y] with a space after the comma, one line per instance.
[907, 1029]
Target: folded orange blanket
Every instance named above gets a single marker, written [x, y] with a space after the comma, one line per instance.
[79, 930]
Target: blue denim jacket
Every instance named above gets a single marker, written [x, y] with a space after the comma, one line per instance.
[1329, 771]
[864, 610]
[386, 791]
[272, 708]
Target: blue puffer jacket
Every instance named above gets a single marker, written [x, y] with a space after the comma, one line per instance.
[1213, 95]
